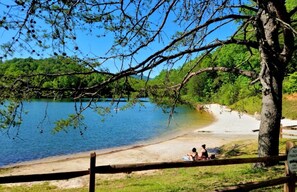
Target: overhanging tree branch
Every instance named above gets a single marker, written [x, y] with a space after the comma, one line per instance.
[293, 11]
[246, 73]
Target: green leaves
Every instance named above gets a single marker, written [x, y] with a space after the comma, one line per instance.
[10, 114]
[50, 78]
[290, 83]
[213, 86]
[73, 121]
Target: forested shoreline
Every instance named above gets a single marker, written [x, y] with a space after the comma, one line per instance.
[64, 77]
[58, 77]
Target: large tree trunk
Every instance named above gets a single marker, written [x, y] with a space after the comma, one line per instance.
[274, 60]
[271, 80]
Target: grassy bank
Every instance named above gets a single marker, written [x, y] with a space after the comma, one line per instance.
[183, 179]
[253, 104]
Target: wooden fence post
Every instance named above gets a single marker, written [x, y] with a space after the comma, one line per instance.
[290, 186]
[92, 172]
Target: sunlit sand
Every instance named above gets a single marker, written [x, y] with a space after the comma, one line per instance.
[228, 126]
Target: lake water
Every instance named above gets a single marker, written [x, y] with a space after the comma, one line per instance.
[140, 123]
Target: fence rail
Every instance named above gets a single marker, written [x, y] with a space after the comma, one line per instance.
[127, 168]
[289, 131]
[289, 180]
[42, 177]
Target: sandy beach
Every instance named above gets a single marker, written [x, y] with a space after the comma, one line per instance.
[228, 126]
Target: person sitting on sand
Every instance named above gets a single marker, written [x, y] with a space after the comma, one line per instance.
[193, 156]
[203, 154]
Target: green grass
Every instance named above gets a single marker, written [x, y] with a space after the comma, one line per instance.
[248, 105]
[182, 179]
[190, 179]
[253, 104]
[290, 109]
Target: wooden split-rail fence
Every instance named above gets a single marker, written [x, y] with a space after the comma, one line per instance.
[288, 179]
[288, 131]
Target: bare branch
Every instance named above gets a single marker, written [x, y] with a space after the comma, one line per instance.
[251, 74]
[293, 11]
[288, 26]
[245, 7]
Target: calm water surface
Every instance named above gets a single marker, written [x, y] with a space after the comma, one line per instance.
[36, 140]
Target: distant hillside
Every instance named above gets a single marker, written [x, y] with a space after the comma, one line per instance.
[141, 77]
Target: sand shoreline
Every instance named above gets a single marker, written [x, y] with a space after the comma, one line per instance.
[208, 131]
[228, 126]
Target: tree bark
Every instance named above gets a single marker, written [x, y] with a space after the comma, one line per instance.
[271, 79]
[274, 60]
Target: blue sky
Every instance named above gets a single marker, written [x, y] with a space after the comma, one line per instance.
[93, 46]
